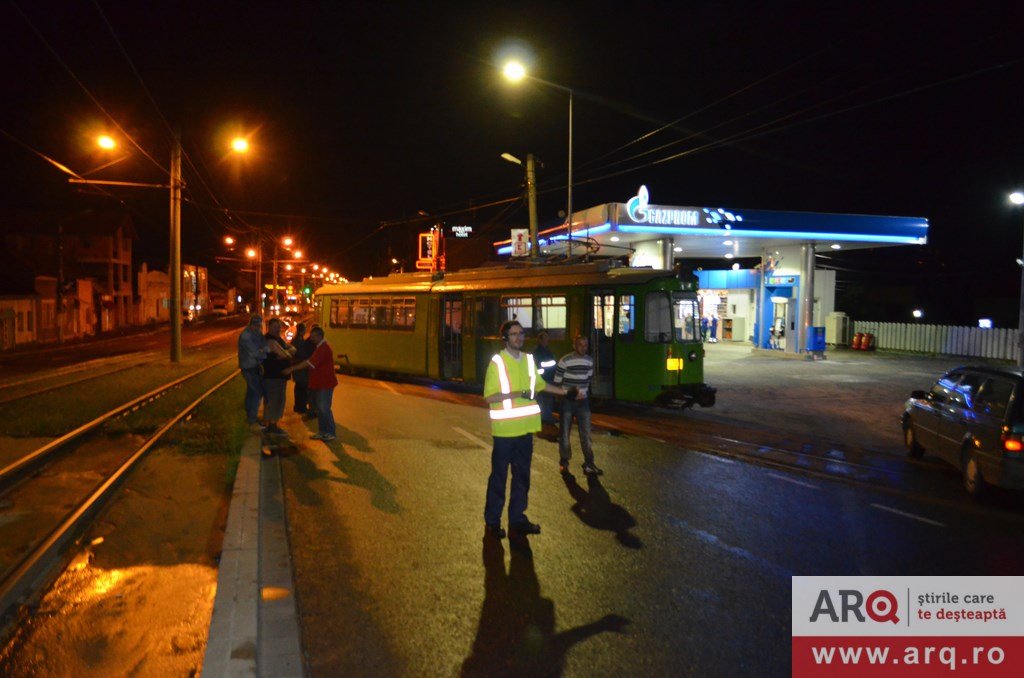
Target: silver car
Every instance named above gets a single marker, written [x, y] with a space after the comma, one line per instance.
[972, 419]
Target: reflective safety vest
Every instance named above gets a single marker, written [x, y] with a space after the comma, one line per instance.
[514, 416]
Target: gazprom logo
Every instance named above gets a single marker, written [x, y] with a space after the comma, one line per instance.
[640, 212]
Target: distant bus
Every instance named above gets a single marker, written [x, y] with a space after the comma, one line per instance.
[642, 325]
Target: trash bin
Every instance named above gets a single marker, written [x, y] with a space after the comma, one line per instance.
[816, 339]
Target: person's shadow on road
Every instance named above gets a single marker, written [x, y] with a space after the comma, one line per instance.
[516, 635]
[595, 509]
[365, 475]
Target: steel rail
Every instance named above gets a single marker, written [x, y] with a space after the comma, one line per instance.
[16, 468]
[54, 387]
[31, 572]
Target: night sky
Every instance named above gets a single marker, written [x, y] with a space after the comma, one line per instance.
[361, 115]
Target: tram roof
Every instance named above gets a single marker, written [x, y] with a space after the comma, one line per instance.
[510, 277]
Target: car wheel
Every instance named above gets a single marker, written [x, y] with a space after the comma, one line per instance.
[914, 448]
[974, 482]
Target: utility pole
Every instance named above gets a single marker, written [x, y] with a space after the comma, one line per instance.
[60, 282]
[258, 302]
[531, 197]
[175, 254]
[274, 304]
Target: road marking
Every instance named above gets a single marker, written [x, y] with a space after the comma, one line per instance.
[715, 457]
[801, 483]
[908, 515]
[472, 437]
[388, 387]
[714, 540]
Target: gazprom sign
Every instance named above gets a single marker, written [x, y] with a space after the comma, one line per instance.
[640, 212]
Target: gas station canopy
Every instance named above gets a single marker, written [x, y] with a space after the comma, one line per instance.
[708, 232]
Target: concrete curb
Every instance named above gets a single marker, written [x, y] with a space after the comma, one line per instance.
[254, 628]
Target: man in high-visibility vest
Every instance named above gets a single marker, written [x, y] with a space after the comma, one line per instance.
[510, 387]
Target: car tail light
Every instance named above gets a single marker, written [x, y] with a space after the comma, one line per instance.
[1013, 444]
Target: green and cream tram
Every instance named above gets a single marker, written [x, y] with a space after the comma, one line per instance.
[642, 325]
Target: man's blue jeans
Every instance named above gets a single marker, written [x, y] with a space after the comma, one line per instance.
[322, 398]
[580, 411]
[253, 392]
[516, 452]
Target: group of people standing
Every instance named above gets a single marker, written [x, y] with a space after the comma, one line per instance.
[519, 392]
[267, 362]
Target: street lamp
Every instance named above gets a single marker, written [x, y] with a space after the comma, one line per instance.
[514, 71]
[106, 142]
[240, 145]
[1017, 198]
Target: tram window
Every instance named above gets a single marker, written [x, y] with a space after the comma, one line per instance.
[684, 317]
[549, 315]
[489, 317]
[657, 318]
[341, 312]
[604, 314]
[403, 314]
[627, 317]
[360, 312]
[519, 309]
[379, 314]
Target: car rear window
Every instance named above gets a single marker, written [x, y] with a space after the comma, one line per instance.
[994, 397]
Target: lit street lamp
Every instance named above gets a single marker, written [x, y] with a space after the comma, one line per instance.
[515, 71]
[1017, 198]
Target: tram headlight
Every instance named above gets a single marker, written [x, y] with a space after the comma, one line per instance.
[693, 355]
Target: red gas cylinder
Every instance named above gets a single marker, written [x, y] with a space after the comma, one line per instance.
[868, 342]
[857, 339]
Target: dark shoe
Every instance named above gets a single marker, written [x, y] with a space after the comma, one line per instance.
[525, 527]
[275, 430]
[495, 531]
[592, 470]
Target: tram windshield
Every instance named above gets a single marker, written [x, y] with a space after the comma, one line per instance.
[684, 317]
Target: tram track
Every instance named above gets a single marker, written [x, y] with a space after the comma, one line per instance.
[70, 491]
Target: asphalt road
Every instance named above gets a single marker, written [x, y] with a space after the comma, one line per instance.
[677, 561]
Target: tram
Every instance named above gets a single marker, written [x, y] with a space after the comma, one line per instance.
[642, 324]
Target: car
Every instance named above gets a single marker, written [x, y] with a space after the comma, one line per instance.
[220, 311]
[972, 418]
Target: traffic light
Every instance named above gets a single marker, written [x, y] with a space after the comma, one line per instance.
[307, 290]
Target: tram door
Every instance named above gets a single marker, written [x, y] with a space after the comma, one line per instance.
[451, 337]
[602, 341]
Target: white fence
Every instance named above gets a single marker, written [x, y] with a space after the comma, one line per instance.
[941, 339]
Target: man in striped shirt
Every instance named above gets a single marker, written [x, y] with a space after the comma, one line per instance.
[575, 372]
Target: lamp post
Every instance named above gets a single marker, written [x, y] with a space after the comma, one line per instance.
[531, 196]
[515, 71]
[1017, 198]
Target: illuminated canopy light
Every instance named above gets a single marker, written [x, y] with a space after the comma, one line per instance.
[614, 238]
[1017, 198]
[677, 248]
[106, 142]
[728, 255]
[514, 71]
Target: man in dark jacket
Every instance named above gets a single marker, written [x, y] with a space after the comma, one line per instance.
[546, 363]
[303, 351]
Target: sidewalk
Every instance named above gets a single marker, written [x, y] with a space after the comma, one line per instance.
[254, 630]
